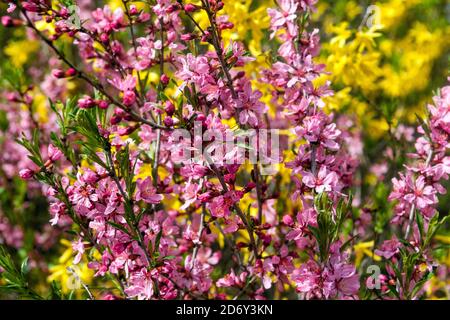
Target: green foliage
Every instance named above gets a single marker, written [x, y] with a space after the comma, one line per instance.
[329, 222]
[15, 278]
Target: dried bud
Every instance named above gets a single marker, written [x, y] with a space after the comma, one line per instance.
[115, 119]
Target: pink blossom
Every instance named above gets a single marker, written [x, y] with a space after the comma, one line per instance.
[147, 192]
[326, 181]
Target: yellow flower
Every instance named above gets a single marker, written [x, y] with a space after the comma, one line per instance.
[20, 51]
[67, 273]
[364, 248]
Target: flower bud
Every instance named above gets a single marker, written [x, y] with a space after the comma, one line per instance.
[169, 108]
[115, 119]
[120, 112]
[219, 6]
[230, 178]
[103, 104]
[129, 98]
[187, 37]
[287, 220]
[168, 121]
[104, 38]
[7, 21]
[54, 153]
[172, 8]
[133, 10]
[31, 7]
[165, 79]
[86, 102]
[64, 12]
[226, 25]
[26, 174]
[71, 72]
[190, 7]
[124, 131]
[200, 117]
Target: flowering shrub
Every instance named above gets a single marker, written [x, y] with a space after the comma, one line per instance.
[207, 150]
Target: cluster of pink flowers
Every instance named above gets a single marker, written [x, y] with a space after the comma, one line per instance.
[164, 229]
[418, 187]
[323, 163]
[416, 194]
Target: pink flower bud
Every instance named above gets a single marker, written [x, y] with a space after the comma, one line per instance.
[124, 131]
[172, 8]
[165, 79]
[129, 98]
[287, 220]
[86, 102]
[240, 74]
[115, 119]
[187, 37]
[64, 12]
[169, 108]
[190, 7]
[104, 38]
[7, 21]
[13, 97]
[133, 10]
[168, 121]
[120, 112]
[54, 153]
[251, 185]
[58, 73]
[26, 174]
[230, 178]
[103, 104]
[226, 25]
[31, 7]
[205, 197]
[70, 72]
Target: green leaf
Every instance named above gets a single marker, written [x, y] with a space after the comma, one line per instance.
[119, 227]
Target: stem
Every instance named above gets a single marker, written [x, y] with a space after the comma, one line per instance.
[313, 159]
[199, 235]
[238, 211]
[158, 132]
[258, 192]
[410, 221]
